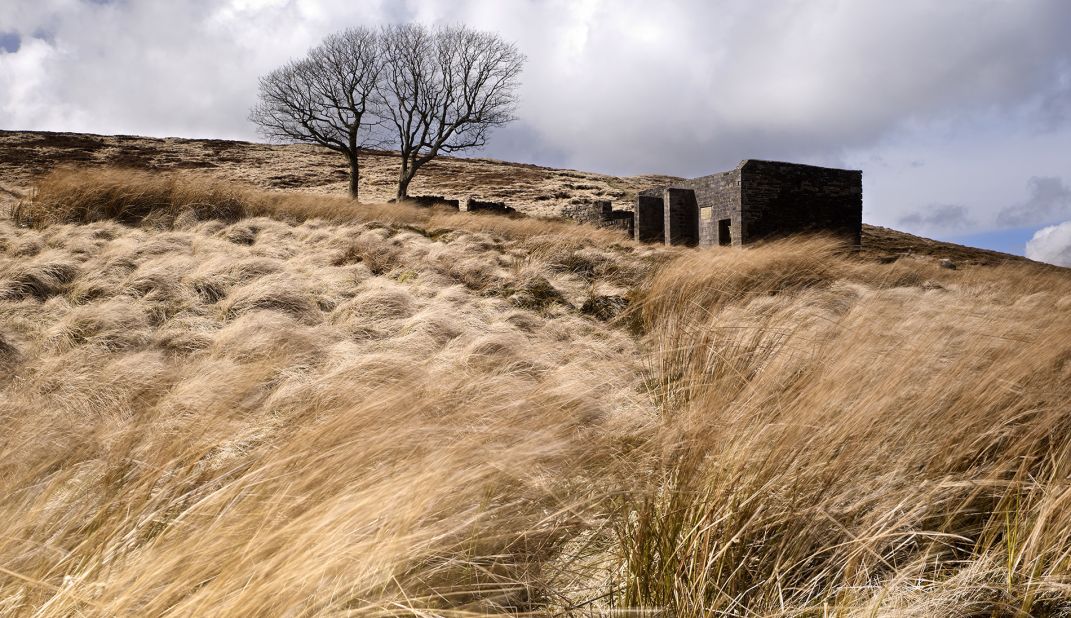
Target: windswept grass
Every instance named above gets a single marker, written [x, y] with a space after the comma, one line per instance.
[219, 401]
[833, 438]
[86, 195]
[73, 195]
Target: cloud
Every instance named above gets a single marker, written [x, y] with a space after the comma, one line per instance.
[1054, 107]
[622, 85]
[1051, 244]
[154, 68]
[938, 217]
[1049, 201]
[690, 90]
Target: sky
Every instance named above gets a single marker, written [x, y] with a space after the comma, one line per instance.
[958, 111]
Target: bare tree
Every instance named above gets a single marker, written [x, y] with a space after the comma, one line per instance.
[326, 98]
[443, 90]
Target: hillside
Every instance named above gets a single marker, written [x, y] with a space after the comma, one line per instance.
[226, 392]
[531, 189]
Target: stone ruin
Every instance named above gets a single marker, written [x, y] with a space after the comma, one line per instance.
[756, 200]
[428, 201]
[468, 204]
[501, 208]
[601, 213]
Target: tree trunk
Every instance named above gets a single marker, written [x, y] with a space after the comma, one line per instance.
[404, 178]
[355, 174]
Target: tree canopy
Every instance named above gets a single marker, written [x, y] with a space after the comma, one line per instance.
[422, 91]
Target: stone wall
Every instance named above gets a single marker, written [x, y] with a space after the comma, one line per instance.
[650, 222]
[430, 200]
[718, 196]
[588, 212]
[756, 200]
[601, 213]
[474, 205]
[779, 199]
[680, 217]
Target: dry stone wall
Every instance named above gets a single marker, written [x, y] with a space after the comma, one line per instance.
[474, 205]
[601, 213]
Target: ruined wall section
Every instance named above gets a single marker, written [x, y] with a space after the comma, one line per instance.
[718, 196]
[680, 217]
[778, 199]
[649, 214]
[601, 213]
[499, 208]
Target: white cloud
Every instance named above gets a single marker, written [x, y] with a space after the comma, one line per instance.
[27, 97]
[1051, 244]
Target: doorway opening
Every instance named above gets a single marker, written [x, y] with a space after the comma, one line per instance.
[725, 237]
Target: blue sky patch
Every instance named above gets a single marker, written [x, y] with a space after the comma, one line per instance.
[10, 42]
[1009, 241]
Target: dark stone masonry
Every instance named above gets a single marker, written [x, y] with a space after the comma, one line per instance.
[756, 200]
[500, 208]
[429, 200]
[650, 223]
[601, 213]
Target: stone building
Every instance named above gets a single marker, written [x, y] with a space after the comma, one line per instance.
[756, 200]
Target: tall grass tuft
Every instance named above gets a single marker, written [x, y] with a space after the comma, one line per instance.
[85, 195]
[832, 443]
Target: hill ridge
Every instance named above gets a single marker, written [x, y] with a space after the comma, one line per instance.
[532, 189]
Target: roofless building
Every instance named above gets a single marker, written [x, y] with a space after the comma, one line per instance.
[756, 200]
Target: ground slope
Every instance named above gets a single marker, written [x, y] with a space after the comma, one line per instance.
[222, 400]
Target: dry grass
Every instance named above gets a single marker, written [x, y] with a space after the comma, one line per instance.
[835, 438]
[539, 191]
[279, 404]
[159, 199]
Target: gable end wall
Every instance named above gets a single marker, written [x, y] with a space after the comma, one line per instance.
[720, 193]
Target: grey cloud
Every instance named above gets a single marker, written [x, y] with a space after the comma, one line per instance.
[1054, 109]
[938, 218]
[1049, 201]
[521, 138]
[801, 81]
[155, 68]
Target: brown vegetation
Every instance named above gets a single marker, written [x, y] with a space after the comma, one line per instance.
[539, 191]
[281, 404]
